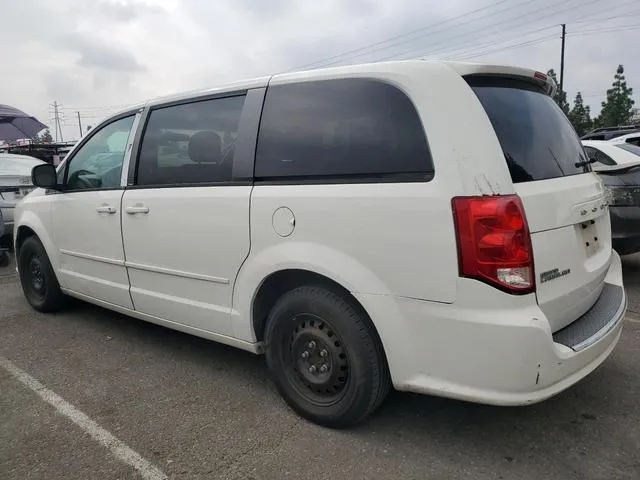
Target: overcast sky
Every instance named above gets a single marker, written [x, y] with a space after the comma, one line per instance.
[96, 56]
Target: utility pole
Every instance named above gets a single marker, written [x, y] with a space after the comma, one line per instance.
[56, 116]
[55, 119]
[564, 34]
[79, 124]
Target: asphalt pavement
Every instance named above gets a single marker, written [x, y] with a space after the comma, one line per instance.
[90, 394]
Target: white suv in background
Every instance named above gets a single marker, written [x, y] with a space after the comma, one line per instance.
[434, 227]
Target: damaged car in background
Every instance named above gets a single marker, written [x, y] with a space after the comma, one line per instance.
[15, 184]
[618, 164]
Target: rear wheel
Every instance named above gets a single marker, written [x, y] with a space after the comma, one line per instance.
[325, 357]
[39, 282]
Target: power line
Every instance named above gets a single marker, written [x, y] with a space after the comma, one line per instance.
[462, 36]
[484, 51]
[616, 27]
[96, 107]
[606, 30]
[464, 51]
[361, 50]
[489, 34]
[509, 47]
[624, 16]
[368, 49]
[608, 10]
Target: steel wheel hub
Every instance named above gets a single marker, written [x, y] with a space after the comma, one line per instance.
[37, 277]
[319, 358]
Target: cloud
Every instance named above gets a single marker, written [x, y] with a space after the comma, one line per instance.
[95, 56]
[124, 10]
[100, 54]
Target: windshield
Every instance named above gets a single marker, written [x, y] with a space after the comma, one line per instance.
[538, 141]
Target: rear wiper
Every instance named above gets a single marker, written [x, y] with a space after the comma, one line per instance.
[584, 163]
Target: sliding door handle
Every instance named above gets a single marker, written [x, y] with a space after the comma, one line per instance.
[133, 209]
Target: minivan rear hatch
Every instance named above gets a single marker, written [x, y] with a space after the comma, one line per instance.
[564, 202]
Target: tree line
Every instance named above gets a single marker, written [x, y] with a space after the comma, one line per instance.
[617, 108]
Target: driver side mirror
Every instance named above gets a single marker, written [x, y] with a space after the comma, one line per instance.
[45, 176]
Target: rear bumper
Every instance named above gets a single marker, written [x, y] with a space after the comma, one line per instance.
[482, 353]
[625, 229]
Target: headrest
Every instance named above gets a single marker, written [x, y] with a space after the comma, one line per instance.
[205, 147]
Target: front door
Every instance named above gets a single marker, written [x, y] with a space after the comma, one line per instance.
[185, 220]
[86, 216]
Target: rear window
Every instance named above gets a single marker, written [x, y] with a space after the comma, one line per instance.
[336, 130]
[538, 141]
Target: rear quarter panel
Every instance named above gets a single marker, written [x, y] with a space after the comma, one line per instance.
[381, 239]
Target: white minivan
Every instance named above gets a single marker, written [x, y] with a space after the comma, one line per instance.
[434, 227]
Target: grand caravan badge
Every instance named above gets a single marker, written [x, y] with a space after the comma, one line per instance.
[553, 274]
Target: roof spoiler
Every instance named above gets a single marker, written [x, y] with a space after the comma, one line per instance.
[478, 69]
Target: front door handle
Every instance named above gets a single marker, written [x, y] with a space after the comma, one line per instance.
[133, 209]
[106, 209]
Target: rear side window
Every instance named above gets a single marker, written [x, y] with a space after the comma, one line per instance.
[538, 141]
[190, 143]
[599, 156]
[630, 148]
[339, 129]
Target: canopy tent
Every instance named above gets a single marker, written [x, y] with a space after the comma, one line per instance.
[15, 124]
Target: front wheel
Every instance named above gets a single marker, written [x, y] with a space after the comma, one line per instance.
[39, 282]
[325, 357]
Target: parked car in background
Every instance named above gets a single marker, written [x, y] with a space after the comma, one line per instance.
[4, 255]
[607, 133]
[15, 184]
[611, 153]
[618, 163]
[632, 138]
[337, 221]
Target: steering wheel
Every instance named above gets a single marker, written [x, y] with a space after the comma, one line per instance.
[76, 182]
[111, 177]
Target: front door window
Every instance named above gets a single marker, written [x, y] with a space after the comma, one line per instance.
[97, 165]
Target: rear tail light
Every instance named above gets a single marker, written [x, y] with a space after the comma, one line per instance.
[494, 244]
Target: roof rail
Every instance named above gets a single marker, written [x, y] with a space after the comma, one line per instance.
[613, 129]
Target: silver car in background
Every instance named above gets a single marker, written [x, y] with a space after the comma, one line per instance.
[15, 184]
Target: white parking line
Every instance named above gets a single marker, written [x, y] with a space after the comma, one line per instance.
[115, 446]
[632, 317]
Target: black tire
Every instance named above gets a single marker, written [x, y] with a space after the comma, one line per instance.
[4, 258]
[39, 282]
[314, 326]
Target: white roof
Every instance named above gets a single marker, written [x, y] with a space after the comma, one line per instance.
[398, 66]
[405, 66]
[624, 138]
